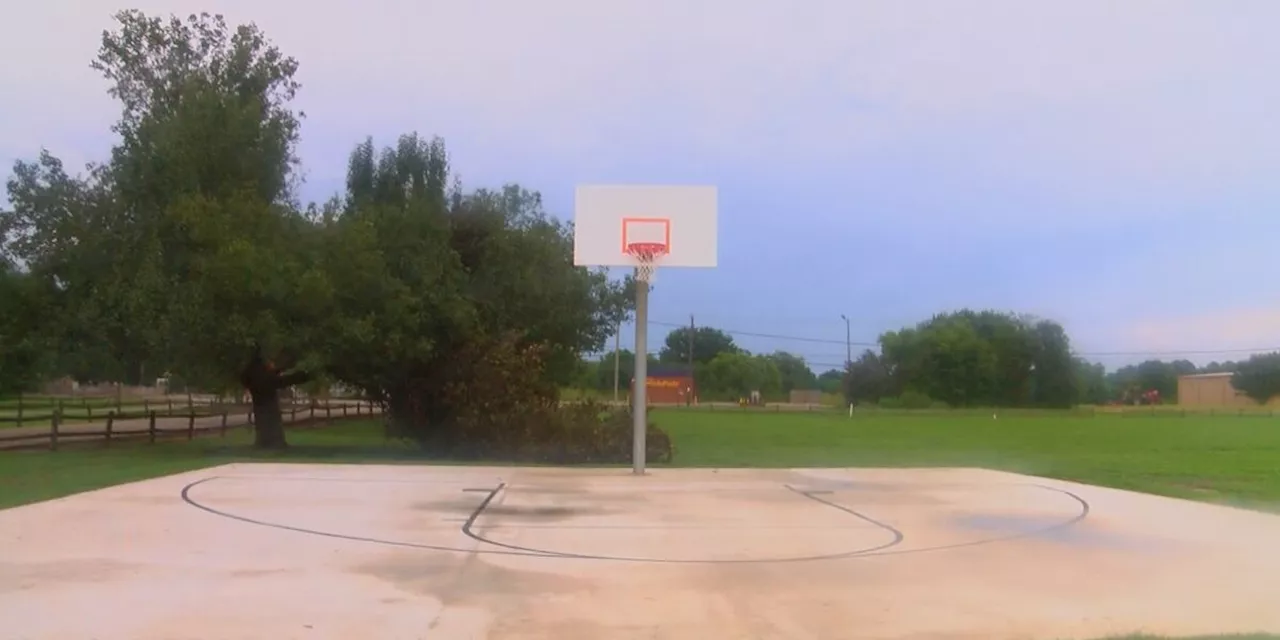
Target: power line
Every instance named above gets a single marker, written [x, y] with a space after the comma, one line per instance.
[1093, 354]
[773, 336]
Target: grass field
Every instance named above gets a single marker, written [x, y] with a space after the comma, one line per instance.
[1230, 460]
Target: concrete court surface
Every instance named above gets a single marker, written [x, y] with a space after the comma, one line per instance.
[388, 552]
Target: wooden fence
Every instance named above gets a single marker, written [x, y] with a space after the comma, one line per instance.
[168, 421]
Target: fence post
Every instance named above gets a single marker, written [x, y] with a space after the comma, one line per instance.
[293, 414]
[53, 429]
[328, 413]
[146, 406]
[88, 407]
[313, 409]
[20, 396]
[224, 423]
[151, 426]
[191, 424]
[357, 407]
[170, 406]
[111, 419]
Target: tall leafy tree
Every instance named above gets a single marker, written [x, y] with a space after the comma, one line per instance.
[184, 245]
[1258, 377]
[425, 275]
[25, 352]
[793, 372]
[986, 358]
[867, 379]
[708, 342]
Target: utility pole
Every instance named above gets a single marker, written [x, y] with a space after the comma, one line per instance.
[688, 394]
[848, 345]
[617, 339]
[848, 357]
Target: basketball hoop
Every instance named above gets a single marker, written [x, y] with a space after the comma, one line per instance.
[647, 254]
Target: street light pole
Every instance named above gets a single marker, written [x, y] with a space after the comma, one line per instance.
[848, 358]
[848, 344]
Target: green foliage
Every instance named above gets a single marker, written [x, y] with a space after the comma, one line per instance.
[1258, 377]
[185, 251]
[969, 358]
[867, 379]
[1130, 382]
[708, 343]
[831, 381]
[24, 354]
[793, 372]
[737, 373]
[910, 400]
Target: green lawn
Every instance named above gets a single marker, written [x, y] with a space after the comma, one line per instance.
[1230, 459]
[1233, 459]
[1227, 636]
[31, 476]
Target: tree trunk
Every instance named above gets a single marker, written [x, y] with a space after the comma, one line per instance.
[268, 423]
[263, 382]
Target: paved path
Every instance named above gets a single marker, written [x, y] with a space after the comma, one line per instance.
[237, 416]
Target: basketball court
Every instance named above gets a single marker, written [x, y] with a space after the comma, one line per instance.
[338, 551]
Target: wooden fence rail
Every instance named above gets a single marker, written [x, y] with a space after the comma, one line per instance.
[156, 423]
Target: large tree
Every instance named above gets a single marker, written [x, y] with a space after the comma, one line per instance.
[793, 372]
[1258, 377]
[969, 358]
[707, 343]
[183, 251]
[25, 352]
[427, 277]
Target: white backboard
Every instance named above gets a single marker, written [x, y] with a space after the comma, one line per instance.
[607, 217]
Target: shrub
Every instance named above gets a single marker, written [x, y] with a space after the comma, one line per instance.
[493, 401]
[911, 400]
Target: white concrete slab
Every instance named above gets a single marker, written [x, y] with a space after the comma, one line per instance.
[333, 551]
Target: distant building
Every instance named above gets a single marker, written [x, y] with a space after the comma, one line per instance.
[1213, 390]
[806, 396]
[669, 384]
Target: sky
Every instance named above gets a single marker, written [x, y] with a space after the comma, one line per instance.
[1109, 165]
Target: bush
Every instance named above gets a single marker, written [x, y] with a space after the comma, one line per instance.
[911, 400]
[586, 433]
[493, 401]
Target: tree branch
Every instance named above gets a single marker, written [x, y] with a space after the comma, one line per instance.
[292, 378]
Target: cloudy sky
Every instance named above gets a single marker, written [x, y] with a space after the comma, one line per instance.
[1111, 165]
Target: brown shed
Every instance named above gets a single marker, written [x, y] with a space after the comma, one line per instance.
[1213, 390]
[669, 384]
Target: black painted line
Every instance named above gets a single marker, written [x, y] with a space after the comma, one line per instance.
[1059, 526]
[468, 531]
[513, 550]
[897, 534]
[186, 497]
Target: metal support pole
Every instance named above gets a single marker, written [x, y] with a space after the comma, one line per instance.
[617, 347]
[640, 426]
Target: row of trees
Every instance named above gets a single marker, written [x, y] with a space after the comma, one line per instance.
[187, 251]
[963, 358]
[969, 358]
[722, 368]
